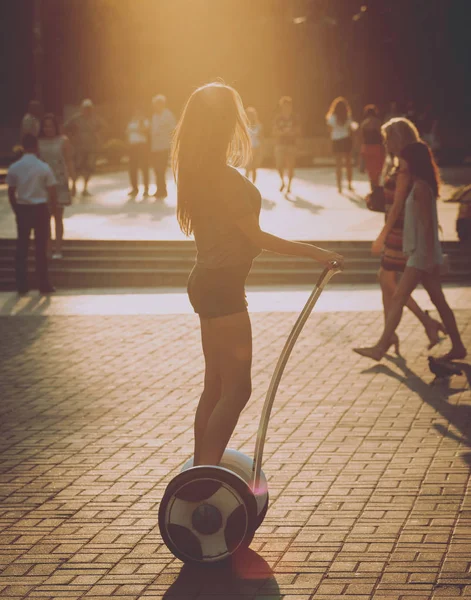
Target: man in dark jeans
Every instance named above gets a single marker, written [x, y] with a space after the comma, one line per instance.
[31, 187]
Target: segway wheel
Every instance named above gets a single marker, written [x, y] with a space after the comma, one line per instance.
[242, 465]
[206, 514]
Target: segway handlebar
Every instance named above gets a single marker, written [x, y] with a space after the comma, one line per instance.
[330, 270]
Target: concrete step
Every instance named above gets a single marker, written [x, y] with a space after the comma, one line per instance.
[142, 255]
[178, 246]
[75, 279]
[93, 278]
[115, 263]
[175, 247]
[169, 262]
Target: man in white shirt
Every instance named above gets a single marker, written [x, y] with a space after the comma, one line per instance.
[162, 126]
[31, 188]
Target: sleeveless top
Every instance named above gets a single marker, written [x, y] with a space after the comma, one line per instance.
[51, 152]
[339, 131]
[414, 238]
[220, 243]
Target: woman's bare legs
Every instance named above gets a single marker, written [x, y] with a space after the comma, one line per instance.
[280, 165]
[431, 282]
[228, 342]
[338, 171]
[290, 164]
[212, 386]
[388, 283]
[404, 289]
[58, 215]
[348, 166]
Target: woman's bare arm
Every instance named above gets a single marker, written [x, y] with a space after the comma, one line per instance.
[403, 183]
[250, 227]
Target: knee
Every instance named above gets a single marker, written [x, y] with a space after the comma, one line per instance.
[399, 298]
[244, 390]
[212, 385]
[238, 394]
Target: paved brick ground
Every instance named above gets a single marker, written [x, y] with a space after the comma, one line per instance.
[368, 465]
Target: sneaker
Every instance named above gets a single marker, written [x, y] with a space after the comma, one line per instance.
[23, 291]
[57, 256]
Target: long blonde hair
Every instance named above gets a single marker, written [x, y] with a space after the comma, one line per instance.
[399, 133]
[212, 131]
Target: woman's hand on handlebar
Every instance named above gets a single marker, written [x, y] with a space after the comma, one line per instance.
[327, 258]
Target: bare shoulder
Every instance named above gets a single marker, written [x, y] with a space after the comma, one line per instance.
[235, 177]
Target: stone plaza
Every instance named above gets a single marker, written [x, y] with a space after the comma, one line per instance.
[368, 464]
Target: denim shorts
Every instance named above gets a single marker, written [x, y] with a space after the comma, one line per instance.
[218, 292]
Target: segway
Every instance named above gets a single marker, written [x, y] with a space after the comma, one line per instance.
[208, 512]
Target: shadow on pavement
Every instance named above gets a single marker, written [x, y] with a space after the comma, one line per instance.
[305, 204]
[325, 175]
[355, 199]
[247, 576]
[21, 305]
[268, 204]
[436, 396]
[17, 335]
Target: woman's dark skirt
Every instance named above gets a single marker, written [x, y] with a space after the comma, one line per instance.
[343, 146]
[218, 292]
